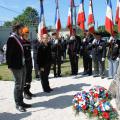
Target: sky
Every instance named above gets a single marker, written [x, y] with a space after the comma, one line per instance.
[99, 8]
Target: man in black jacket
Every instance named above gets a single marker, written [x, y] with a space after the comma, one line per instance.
[56, 55]
[98, 55]
[28, 62]
[44, 62]
[86, 53]
[73, 52]
[16, 63]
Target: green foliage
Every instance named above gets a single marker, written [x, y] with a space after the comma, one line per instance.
[0, 77]
[29, 17]
[104, 33]
[7, 24]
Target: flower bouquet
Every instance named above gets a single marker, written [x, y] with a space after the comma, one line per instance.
[95, 103]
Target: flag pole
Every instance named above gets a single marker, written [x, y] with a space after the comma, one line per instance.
[71, 7]
[40, 9]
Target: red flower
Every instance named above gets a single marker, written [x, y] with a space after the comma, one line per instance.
[87, 99]
[84, 107]
[95, 112]
[96, 95]
[106, 115]
[107, 95]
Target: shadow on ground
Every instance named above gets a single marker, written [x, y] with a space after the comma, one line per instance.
[10, 116]
[60, 102]
[63, 89]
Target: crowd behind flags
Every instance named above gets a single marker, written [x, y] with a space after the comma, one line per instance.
[109, 22]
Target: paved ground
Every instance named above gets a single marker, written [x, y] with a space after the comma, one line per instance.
[53, 106]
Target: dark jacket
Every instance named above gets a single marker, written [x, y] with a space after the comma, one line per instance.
[14, 54]
[27, 52]
[86, 49]
[43, 55]
[56, 50]
[99, 50]
[113, 50]
[74, 47]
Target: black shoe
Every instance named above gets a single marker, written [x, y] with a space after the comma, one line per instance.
[51, 89]
[47, 91]
[26, 105]
[96, 75]
[76, 73]
[102, 77]
[27, 96]
[30, 94]
[59, 75]
[85, 73]
[89, 74]
[20, 108]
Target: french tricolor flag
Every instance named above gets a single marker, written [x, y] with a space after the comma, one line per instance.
[41, 27]
[81, 16]
[69, 20]
[91, 22]
[70, 17]
[109, 18]
[57, 18]
[117, 12]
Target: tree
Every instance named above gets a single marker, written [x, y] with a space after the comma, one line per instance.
[29, 17]
[8, 24]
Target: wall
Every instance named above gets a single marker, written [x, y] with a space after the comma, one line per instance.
[5, 32]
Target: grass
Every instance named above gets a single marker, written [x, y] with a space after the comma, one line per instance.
[6, 75]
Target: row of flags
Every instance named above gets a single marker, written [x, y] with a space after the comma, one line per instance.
[109, 23]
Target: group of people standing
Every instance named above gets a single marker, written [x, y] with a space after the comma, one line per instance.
[95, 50]
[50, 51]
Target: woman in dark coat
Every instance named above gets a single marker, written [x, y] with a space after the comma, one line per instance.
[44, 62]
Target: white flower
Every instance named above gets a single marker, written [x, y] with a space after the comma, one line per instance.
[107, 107]
[96, 104]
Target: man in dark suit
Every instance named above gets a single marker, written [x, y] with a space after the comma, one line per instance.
[44, 62]
[86, 52]
[28, 62]
[56, 55]
[98, 55]
[16, 63]
[73, 53]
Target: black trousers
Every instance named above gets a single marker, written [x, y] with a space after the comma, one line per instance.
[28, 78]
[74, 64]
[57, 66]
[87, 64]
[19, 77]
[44, 77]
